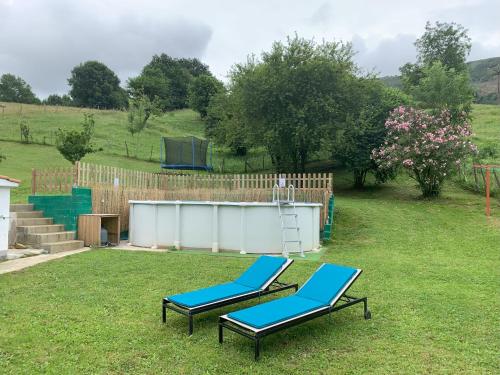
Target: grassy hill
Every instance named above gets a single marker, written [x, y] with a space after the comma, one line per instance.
[482, 78]
[111, 135]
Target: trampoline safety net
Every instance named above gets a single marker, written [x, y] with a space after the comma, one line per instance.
[184, 153]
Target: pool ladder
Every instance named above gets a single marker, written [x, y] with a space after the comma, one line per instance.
[284, 206]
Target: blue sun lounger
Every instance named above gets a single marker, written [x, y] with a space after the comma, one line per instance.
[318, 296]
[259, 279]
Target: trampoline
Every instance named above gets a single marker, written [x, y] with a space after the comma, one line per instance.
[185, 153]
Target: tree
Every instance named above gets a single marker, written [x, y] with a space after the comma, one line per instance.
[194, 66]
[441, 88]
[224, 123]
[168, 79]
[447, 43]
[55, 99]
[365, 128]
[15, 89]
[440, 78]
[94, 85]
[291, 97]
[154, 84]
[139, 111]
[428, 147]
[411, 74]
[73, 144]
[201, 90]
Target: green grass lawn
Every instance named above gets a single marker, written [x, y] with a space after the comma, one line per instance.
[486, 127]
[431, 273]
[110, 127]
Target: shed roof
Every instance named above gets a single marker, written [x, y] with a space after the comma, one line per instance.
[9, 181]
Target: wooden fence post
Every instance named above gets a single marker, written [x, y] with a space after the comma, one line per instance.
[76, 168]
[33, 181]
[488, 174]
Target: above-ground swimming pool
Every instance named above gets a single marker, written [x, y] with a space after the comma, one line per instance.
[250, 227]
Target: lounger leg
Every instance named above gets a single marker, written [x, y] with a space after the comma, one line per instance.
[164, 312]
[190, 324]
[221, 333]
[257, 348]
[367, 313]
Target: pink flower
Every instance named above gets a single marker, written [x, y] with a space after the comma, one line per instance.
[408, 163]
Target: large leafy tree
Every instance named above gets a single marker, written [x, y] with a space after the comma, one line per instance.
[15, 89]
[364, 128]
[94, 85]
[55, 99]
[166, 79]
[194, 66]
[291, 97]
[201, 90]
[440, 79]
[447, 43]
[441, 88]
[224, 123]
[154, 84]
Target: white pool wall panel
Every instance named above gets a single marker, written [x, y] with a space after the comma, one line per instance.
[251, 227]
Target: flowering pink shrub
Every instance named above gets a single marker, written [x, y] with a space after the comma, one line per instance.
[429, 147]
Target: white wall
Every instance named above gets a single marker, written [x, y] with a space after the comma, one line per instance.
[4, 220]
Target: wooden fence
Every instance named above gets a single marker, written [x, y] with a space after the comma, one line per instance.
[60, 180]
[106, 199]
[113, 187]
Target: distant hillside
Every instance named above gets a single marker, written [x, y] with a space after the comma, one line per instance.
[482, 77]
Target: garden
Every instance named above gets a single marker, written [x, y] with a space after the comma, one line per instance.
[430, 273]
[393, 180]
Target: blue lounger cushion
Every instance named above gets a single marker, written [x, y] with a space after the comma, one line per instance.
[319, 291]
[211, 294]
[261, 271]
[269, 313]
[326, 283]
[253, 279]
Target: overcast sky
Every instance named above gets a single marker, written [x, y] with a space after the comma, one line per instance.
[42, 40]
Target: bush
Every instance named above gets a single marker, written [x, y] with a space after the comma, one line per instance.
[26, 136]
[74, 145]
[429, 147]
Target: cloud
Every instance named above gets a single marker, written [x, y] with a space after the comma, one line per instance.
[387, 56]
[43, 41]
[323, 15]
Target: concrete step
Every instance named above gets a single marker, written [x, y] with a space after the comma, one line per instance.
[22, 232]
[34, 221]
[57, 247]
[36, 239]
[29, 214]
[51, 228]
[21, 207]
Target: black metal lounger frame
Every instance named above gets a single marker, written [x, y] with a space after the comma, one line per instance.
[272, 286]
[257, 334]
